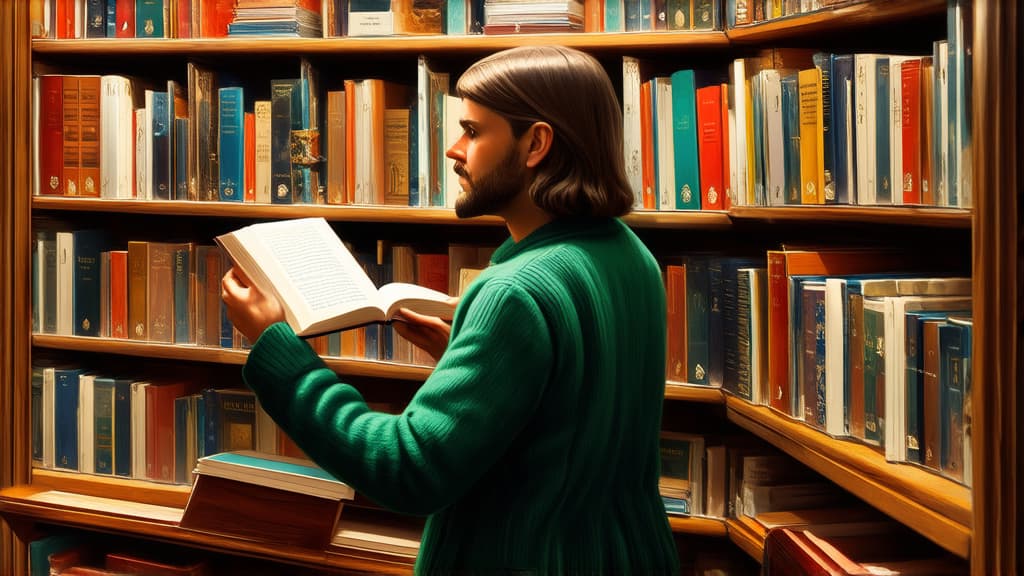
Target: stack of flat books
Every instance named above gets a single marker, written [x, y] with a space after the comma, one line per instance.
[265, 497]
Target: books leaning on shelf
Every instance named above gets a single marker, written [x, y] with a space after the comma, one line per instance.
[265, 497]
[320, 284]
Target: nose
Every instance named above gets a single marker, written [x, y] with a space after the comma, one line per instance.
[457, 151]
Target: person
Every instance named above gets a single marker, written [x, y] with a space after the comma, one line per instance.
[533, 446]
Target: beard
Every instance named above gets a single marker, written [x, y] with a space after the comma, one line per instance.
[493, 192]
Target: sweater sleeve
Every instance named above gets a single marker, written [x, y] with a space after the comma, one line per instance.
[456, 426]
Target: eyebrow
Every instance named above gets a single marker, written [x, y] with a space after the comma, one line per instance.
[467, 124]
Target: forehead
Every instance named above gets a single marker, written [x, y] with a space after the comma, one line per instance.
[481, 116]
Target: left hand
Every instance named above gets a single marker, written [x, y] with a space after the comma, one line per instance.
[249, 310]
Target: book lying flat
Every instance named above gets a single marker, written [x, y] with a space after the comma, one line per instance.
[320, 284]
[272, 470]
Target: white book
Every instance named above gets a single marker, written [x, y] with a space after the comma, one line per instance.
[86, 424]
[261, 111]
[146, 193]
[142, 152]
[864, 126]
[318, 282]
[773, 141]
[423, 152]
[138, 428]
[49, 442]
[758, 279]
[65, 283]
[117, 136]
[631, 127]
[665, 146]
[738, 162]
[941, 128]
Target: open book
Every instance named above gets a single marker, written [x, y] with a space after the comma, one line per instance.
[319, 283]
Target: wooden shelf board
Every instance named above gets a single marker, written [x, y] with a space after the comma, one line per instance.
[898, 215]
[693, 393]
[28, 504]
[684, 219]
[937, 508]
[191, 353]
[698, 525]
[142, 491]
[746, 538]
[381, 46]
[840, 18]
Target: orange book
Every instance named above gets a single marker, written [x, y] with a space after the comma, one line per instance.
[125, 19]
[89, 136]
[72, 135]
[250, 157]
[675, 297]
[812, 149]
[51, 134]
[119, 294]
[350, 142]
[138, 272]
[336, 147]
[709, 146]
[826, 262]
[647, 146]
[160, 429]
[211, 322]
[910, 129]
[384, 95]
[726, 196]
[214, 17]
[931, 449]
[928, 180]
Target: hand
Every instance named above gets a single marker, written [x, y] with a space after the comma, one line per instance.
[249, 310]
[427, 332]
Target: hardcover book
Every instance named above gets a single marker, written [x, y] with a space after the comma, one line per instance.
[320, 284]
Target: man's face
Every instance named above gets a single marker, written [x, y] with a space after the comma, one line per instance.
[488, 162]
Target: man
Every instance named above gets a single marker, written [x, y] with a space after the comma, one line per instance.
[533, 445]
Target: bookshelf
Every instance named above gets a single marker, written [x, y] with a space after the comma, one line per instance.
[979, 524]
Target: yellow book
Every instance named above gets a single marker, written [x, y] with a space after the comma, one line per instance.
[812, 147]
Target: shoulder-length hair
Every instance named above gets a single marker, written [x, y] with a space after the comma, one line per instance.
[583, 174]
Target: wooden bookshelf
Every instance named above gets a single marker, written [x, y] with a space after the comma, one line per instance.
[853, 14]
[938, 508]
[746, 534]
[693, 393]
[697, 525]
[894, 215]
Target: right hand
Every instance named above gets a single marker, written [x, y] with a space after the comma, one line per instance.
[427, 332]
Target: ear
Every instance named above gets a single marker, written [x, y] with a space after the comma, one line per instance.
[538, 140]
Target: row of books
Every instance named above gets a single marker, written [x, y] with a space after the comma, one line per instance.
[744, 12]
[68, 19]
[84, 284]
[799, 127]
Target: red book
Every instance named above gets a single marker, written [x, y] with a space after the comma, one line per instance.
[910, 90]
[65, 19]
[432, 271]
[89, 136]
[825, 262]
[124, 18]
[184, 14]
[250, 156]
[647, 146]
[215, 16]
[51, 134]
[72, 134]
[160, 429]
[709, 146]
[675, 297]
[119, 294]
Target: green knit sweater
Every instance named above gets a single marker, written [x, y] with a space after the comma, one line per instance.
[533, 446]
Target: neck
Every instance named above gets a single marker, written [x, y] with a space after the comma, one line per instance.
[522, 217]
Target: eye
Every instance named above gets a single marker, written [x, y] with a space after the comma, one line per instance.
[470, 132]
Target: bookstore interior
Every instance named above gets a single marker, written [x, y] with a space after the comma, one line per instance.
[870, 432]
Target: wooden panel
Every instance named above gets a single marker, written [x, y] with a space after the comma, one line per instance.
[997, 349]
[902, 215]
[698, 525]
[937, 508]
[691, 393]
[747, 537]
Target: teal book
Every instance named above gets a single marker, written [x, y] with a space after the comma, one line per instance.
[874, 371]
[951, 400]
[281, 93]
[456, 20]
[103, 425]
[183, 294]
[282, 472]
[883, 186]
[684, 140]
[40, 549]
[86, 248]
[149, 18]
[231, 143]
[65, 417]
[790, 103]
[159, 164]
[613, 16]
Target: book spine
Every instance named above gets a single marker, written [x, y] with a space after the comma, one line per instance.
[183, 294]
[280, 136]
[66, 403]
[231, 144]
[87, 245]
[261, 110]
[684, 129]
[160, 137]
[138, 272]
[883, 187]
[149, 18]
[709, 119]
[103, 422]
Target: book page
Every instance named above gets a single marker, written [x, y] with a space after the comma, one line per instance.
[306, 265]
[417, 298]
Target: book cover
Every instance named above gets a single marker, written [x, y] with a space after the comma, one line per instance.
[279, 258]
[86, 250]
[231, 143]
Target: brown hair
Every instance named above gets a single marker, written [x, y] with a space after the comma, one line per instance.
[583, 173]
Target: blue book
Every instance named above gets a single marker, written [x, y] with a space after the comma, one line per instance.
[632, 16]
[229, 419]
[914, 381]
[111, 18]
[281, 187]
[122, 427]
[183, 294]
[159, 165]
[698, 288]
[181, 158]
[231, 144]
[841, 81]
[790, 103]
[86, 248]
[65, 417]
[883, 186]
[684, 140]
[823, 62]
[951, 400]
[966, 324]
